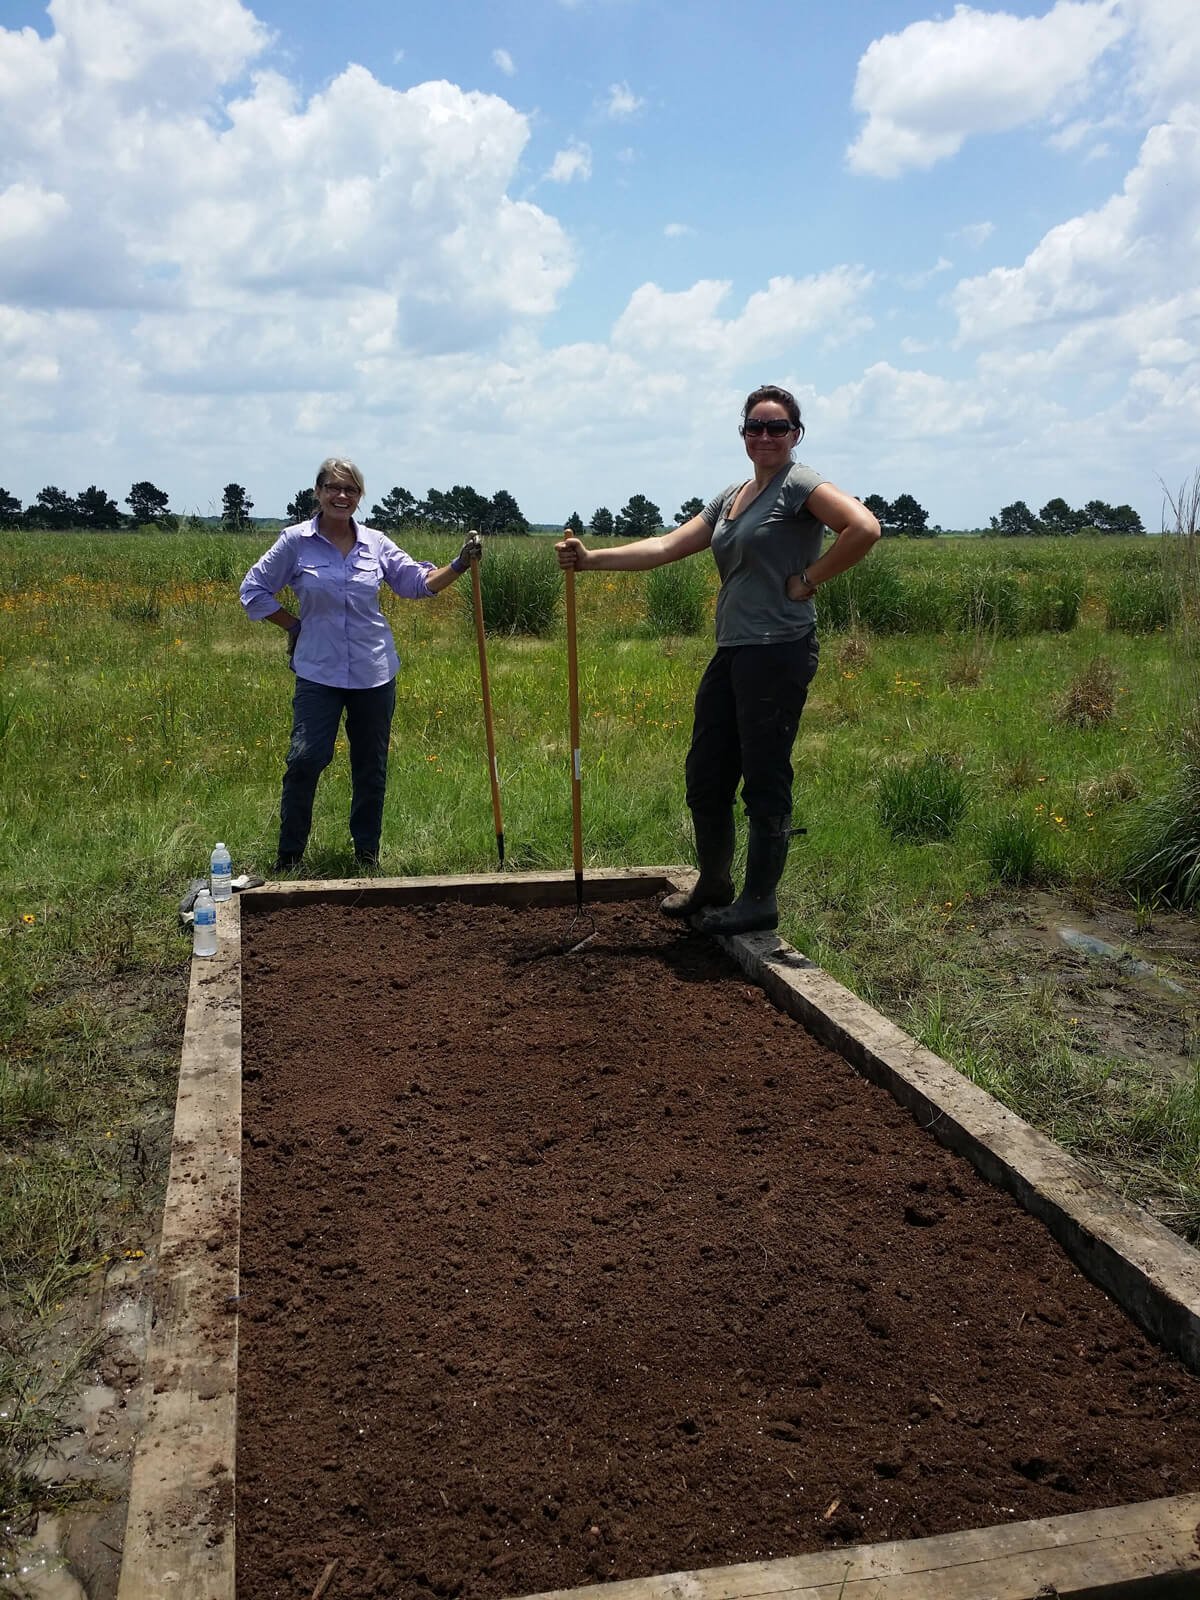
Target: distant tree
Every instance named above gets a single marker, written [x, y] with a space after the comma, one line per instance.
[1104, 518]
[10, 509]
[236, 506]
[434, 508]
[146, 504]
[96, 510]
[881, 510]
[1126, 520]
[53, 508]
[575, 523]
[639, 519]
[502, 515]
[1096, 515]
[602, 521]
[906, 516]
[1058, 520]
[1015, 521]
[396, 510]
[688, 510]
[465, 508]
[304, 507]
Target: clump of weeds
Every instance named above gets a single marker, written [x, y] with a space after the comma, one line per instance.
[923, 800]
[1091, 696]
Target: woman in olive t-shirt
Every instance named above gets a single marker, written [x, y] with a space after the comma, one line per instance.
[765, 535]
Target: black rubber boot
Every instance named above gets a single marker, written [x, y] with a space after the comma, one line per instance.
[756, 908]
[714, 856]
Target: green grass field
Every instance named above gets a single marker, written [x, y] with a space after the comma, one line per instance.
[142, 717]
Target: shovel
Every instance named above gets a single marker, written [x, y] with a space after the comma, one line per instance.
[576, 771]
[493, 770]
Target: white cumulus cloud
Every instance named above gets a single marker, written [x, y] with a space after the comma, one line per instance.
[656, 323]
[927, 89]
[575, 161]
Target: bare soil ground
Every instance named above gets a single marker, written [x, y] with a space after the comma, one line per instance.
[563, 1268]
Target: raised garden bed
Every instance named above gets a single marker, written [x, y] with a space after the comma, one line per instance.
[566, 1268]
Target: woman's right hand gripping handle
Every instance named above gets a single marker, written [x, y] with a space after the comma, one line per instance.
[571, 553]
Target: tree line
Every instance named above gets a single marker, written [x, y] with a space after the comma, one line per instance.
[462, 507]
[454, 509]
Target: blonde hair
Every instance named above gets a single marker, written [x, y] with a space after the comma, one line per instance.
[343, 467]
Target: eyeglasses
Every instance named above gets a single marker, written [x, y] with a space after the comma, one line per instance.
[775, 427]
[351, 489]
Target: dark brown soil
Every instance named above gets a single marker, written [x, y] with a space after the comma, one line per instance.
[564, 1268]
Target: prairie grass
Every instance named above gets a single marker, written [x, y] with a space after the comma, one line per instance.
[678, 599]
[1139, 602]
[519, 589]
[1091, 696]
[923, 799]
[1014, 850]
[142, 717]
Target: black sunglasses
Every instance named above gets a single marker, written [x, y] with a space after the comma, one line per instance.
[776, 427]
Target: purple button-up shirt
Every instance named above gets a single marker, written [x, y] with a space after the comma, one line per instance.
[344, 638]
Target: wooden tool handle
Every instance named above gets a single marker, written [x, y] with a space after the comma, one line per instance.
[493, 772]
[576, 771]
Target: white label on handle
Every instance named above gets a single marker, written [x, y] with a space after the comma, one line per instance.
[578, 766]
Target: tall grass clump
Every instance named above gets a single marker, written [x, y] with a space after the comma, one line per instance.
[1012, 849]
[1054, 600]
[1163, 859]
[923, 800]
[520, 590]
[990, 600]
[677, 599]
[870, 595]
[1138, 602]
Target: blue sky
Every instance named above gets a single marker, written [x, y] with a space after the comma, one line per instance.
[548, 246]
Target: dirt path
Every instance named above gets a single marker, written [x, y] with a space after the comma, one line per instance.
[559, 1269]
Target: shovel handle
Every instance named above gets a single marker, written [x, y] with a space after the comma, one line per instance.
[576, 770]
[493, 773]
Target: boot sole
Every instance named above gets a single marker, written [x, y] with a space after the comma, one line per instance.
[764, 923]
[690, 908]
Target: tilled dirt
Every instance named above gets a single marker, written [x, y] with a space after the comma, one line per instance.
[559, 1268]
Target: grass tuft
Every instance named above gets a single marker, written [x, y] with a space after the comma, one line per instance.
[1013, 850]
[1164, 859]
[520, 589]
[677, 599]
[1139, 602]
[1091, 696]
[923, 800]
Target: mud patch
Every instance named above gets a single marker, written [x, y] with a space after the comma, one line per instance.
[1140, 1005]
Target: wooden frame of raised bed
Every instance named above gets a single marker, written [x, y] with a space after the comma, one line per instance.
[179, 1539]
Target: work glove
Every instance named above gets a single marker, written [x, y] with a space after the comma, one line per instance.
[472, 550]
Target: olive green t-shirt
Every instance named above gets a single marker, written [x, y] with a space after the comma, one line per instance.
[758, 551]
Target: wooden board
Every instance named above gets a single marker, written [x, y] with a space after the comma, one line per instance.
[1142, 1550]
[180, 1533]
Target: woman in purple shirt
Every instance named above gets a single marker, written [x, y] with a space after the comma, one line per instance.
[341, 650]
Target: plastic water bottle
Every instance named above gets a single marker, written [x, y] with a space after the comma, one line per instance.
[204, 925]
[221, 874]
